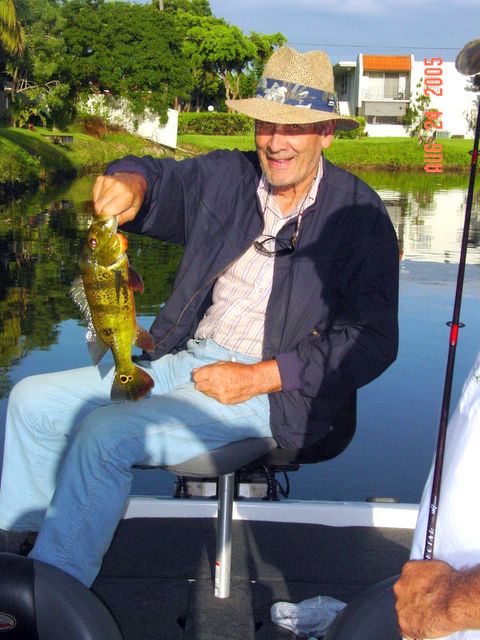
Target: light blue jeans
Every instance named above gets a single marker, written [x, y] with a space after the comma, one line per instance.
[69, 450]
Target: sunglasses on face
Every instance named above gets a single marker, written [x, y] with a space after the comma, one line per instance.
[270, 128]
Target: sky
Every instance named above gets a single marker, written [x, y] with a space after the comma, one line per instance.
[345, 28]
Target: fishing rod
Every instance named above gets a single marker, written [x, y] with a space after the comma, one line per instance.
[468, 64]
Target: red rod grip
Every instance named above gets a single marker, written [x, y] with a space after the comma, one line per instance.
[454, 334]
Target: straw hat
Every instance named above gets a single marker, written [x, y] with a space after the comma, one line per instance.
[295, 88]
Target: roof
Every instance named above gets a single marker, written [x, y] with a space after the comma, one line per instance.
[387, 63]
[345, 63]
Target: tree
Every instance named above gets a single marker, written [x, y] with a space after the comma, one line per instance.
[265, 45]
[180, 56]
[471, 118]
[12, 35]
[225, 51]
[473, 84]
[192, 7]
[126, 50]
[39, 88]
[420, 118]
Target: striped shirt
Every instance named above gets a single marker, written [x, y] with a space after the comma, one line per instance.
[236, 317]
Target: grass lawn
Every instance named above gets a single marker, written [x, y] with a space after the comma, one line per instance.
[366, 153]
[27, 157]
[200, 144]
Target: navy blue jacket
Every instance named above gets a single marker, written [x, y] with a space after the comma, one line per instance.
[331, 321]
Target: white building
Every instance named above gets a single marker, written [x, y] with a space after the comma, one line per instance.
[379, 88]
[148, 125]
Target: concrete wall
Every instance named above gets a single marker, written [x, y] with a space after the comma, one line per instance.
[385, 130]
[147, 126]
[454, 102]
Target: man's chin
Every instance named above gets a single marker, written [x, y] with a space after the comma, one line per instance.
[277, 180]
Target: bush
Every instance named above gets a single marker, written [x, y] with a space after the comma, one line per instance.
[18, 168]
[354, 133]
[214, 124]
[94, 126]
[236, 124]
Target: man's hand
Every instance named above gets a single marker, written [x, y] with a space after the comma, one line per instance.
[427, 596]
[120, 194]
[233, 382]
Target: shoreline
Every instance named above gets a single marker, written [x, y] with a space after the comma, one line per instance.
[30, 159]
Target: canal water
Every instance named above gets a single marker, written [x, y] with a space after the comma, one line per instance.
[398, 414]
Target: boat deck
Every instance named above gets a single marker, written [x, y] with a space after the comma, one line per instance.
[157, 577]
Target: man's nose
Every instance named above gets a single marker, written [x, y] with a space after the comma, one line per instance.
[277, 139]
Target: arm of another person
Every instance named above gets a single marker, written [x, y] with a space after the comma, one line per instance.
[433, 599]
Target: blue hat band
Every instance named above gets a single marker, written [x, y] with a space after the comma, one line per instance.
[296, 95]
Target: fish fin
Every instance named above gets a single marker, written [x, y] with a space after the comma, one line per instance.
[130, 384]
[77, 291]
[135, 281]
[144, 340]
[123, 241]
[96, 346]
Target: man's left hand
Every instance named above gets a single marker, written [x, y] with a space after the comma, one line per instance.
[233, 382]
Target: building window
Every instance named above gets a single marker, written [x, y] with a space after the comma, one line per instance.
[383, 120]
[341, 85]
[383, 85]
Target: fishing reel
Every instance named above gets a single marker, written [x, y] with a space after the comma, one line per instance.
[468, 62]
[475, 80]
[40, 602]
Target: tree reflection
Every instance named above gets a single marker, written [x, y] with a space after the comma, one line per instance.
[39, 249]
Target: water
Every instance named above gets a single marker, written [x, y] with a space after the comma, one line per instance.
[398, 414]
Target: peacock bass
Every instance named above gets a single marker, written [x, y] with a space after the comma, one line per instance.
[104, 292]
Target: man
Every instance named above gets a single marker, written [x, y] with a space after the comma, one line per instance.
[284, 304]
[441, 597]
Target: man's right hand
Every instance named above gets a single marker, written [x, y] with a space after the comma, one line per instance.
[120, 194]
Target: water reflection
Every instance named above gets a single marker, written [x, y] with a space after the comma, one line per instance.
[40, 241]
[41, 329]
[41, 237]
[430, 224]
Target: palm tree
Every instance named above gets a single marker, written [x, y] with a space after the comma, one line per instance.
[12, 35]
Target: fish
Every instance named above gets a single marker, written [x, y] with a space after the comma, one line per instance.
[104, 291]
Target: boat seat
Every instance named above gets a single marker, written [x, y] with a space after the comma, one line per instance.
[245, 457]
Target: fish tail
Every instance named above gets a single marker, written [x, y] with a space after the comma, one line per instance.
[130, 383]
